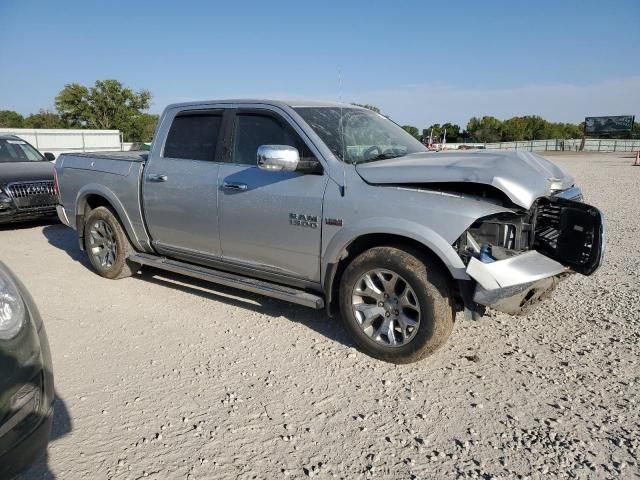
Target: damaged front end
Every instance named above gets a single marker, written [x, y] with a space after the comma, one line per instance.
[516, 259]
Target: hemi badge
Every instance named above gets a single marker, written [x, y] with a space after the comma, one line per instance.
[333, 221]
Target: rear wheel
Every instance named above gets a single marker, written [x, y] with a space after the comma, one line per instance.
[396, 306]
[107, 245]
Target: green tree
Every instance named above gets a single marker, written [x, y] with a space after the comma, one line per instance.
[536, 126]
[144, 126]
[11, 119]
[571, 130]
[44, 119]
[412, 131]
[106, 105]
[514, 129]
[435, 131]
[73, 105]
[486, 129]
[453, 132]
[533, 127]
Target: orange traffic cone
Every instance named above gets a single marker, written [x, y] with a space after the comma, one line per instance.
[637, 162]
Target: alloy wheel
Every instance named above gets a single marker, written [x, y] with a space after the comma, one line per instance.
[386, 307]
[103, 243]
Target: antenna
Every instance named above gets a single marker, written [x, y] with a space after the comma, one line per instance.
[344, 154]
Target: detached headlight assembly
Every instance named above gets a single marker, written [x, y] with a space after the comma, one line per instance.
[12, 309]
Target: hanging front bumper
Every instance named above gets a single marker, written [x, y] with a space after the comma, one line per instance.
[514, 284]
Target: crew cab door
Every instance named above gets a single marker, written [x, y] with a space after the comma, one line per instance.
[180, 186]
[262, 212]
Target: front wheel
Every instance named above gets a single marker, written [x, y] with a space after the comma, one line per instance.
[397, 307]
[107, 245]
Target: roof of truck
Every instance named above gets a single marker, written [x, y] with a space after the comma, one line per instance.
[295, 102]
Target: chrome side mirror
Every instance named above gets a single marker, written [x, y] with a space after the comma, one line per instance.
[278, 158]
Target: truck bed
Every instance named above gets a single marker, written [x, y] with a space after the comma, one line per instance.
[109, 177]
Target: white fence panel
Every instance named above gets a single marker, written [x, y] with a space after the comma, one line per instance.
[61, 140]
[557, 144]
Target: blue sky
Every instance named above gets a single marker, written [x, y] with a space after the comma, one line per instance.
[421, 62]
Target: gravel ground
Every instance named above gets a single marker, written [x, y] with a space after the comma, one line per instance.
[160, 376]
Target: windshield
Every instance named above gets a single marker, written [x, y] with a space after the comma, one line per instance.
[16, 150]
[367, 136]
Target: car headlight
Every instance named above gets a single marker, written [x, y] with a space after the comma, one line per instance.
[12, 310]
[5, 200]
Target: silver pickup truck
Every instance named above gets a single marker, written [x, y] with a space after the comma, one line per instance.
[333, 206]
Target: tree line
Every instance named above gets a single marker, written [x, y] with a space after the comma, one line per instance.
[490, 129]
[110, 105]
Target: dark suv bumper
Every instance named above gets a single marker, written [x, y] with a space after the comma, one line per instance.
[10, 214]
[27, 216]
[25, 208]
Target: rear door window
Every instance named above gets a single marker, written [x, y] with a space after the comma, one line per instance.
[194, 136]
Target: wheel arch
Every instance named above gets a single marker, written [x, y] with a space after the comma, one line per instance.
[94, 196]
[436, 248]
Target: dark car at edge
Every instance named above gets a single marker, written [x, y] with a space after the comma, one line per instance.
[26, 182]
[26, 378]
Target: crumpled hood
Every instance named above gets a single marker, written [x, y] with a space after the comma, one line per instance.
[522, 176]
[25, 171]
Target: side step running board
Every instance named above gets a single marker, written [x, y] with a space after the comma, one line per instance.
[231, 280]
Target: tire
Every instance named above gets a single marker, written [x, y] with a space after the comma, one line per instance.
[427, 303]
[107, 245]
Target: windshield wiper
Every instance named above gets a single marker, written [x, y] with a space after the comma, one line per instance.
[381, 156]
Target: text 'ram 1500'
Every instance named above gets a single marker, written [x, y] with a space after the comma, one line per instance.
[334, 206]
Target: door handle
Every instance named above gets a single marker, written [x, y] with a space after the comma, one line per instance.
[235, 187]
[157, 177]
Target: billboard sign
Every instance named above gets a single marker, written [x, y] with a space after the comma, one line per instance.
[604, 125]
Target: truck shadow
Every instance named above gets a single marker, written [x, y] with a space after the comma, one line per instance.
[30, 224]
[64, 238]
[316, 320]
